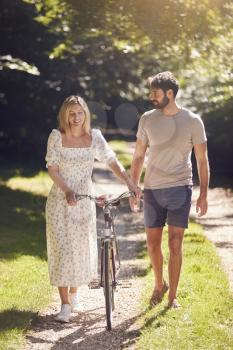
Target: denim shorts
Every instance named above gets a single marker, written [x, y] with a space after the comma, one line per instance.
[167, 204]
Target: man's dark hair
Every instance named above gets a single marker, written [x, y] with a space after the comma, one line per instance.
[164, 81]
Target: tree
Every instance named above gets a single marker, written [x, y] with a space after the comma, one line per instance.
[105, 50]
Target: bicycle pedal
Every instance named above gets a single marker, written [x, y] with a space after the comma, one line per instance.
[94, 284]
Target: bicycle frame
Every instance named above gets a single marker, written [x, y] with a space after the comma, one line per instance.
[109, 234]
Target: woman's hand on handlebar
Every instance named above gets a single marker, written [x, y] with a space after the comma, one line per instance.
[70, 198]
[100, 200]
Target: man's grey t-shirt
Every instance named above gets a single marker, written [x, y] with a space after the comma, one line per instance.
[170, 140]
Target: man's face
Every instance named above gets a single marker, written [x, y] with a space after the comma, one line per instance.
[159, 98]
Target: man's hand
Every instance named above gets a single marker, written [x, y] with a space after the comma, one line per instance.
[134, 203]
[201, 206]
[136, 189]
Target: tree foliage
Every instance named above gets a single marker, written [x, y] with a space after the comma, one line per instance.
[105, 50]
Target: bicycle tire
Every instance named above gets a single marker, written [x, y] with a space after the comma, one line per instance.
[108, 285]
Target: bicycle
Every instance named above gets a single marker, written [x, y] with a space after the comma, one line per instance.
[109, 254]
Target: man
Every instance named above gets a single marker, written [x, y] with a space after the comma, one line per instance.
[170, 132]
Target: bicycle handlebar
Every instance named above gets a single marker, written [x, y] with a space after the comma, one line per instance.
[106, 202]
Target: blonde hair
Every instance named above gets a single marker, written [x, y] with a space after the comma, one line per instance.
[63, 114]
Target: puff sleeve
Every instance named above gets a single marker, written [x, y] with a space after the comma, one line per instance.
[53, 149]
[103, 152]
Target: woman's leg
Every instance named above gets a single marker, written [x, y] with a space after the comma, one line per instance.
[73, 289]
[74, 299]
[63, 291]
[64, 314]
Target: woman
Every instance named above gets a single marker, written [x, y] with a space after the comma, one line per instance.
[71, 225]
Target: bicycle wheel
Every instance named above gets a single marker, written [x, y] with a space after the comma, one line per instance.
[108, 284]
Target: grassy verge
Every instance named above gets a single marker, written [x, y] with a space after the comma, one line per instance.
[120, 147]
[24, 285]
[205, 320]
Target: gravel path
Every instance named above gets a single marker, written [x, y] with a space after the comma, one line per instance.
[87, 329]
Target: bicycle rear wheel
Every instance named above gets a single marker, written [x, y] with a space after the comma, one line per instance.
[108, 284]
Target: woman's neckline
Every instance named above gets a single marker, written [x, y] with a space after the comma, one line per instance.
[65, 147]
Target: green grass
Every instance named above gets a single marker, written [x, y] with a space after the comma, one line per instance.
[205, 321]
[120, 147]
[24, 285]
[38, 184]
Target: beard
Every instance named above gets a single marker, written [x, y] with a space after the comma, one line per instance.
[162, 104]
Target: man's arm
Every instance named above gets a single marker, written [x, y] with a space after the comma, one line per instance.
[136, 171]
[121, 173]
[201, 155]
[138, 161]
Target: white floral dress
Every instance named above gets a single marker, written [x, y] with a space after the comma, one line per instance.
[71, 230]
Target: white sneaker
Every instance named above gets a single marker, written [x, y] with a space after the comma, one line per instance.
[64, 314]
[74, 302]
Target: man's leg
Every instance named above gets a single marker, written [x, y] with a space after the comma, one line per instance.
[154, 238]
[154, 219]
[175, 235]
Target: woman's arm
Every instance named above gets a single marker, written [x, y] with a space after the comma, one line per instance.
[121, 173]
[105, 154]
[53, 171]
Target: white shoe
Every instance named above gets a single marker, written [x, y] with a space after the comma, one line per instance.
[64, 314]
[74, 302]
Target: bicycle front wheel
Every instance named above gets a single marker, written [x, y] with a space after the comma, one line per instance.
[108, 284]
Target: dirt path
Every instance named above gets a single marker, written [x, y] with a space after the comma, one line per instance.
[87, 330]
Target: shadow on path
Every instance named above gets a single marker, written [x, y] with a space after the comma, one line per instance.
[83, 337]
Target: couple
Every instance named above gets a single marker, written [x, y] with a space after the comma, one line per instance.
[170, 132]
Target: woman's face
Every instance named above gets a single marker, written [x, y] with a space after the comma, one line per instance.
[76, 116]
